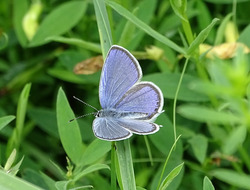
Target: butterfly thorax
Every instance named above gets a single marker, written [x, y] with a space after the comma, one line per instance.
[118, 114]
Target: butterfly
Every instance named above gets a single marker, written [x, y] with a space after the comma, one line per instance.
[129, 106]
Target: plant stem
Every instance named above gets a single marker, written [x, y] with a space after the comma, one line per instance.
[113, 170]
[176, 96]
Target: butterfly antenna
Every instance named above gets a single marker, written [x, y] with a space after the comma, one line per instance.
[93, 113]
[86, 104]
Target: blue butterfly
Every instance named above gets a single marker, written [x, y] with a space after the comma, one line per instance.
[128, 105]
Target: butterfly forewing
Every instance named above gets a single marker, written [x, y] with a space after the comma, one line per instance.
[120, 72]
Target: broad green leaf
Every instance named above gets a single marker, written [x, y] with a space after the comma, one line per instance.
[140, 188]
[9, 182]
[19, 10]
[232, 177]
[59, 21]
[69, 131]
[207, 184]
[146, 28]
[201, 37]
[6, 120]
[199, 144]
[103, 26]
[45, 119]
[37, 178]
[97, 149]
[170, 177]
[168, 82]
[204, 114]
[125, 162]
[234, 140]
[62, 185]
[90, 169]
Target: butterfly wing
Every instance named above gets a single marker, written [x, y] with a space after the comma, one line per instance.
[143, 97]
[139, 126]
[120, 72]
[110, 129]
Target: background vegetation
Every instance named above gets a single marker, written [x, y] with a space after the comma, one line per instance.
[195, 51]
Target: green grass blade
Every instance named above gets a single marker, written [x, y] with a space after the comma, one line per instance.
[126, 165]
[16, 138]
[103, 26]
[77, 42]
[128, 15]
[69, 131]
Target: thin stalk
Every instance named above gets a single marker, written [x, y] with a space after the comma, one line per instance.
[165, 164]
[113, 170]
[176, 95]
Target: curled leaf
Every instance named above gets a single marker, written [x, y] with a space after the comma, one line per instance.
[89, 66]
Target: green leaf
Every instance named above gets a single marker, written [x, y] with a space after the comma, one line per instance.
[207, 184]
[97, 149]
[3, 40]
[168, 82]
[170, 177]
[59, 21]
[91, 169]
[234, 140]
[6, 120]
[232, 177]
[204, 114]
[140, 24]
[9, 182]
[69, 131]
[221, 30]
[77, 42]
[199, 144]
[16, 138]
[45, 119]
[103, 26]
[19, 10]
[125, 165]
[179, 7]
[71, 77]
[244, 36]
[201, 37]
